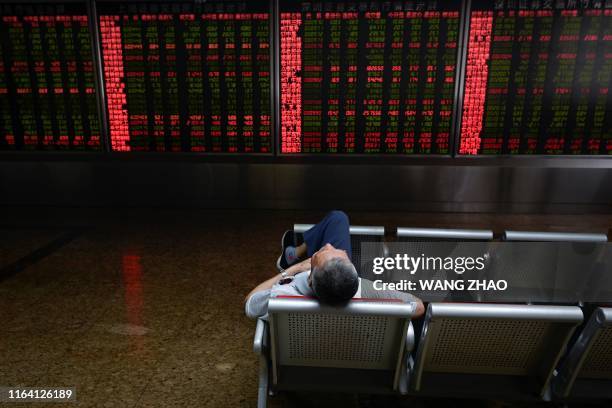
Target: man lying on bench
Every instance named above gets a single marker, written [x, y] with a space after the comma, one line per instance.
[321, 267]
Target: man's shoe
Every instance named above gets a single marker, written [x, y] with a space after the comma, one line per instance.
[286, 242]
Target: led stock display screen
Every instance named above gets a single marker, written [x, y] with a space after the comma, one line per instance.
[538, 78]
[191, 77]
[47, 83]
[356, 77]
[367, 77]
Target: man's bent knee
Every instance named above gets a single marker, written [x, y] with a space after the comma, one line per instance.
[338, 216]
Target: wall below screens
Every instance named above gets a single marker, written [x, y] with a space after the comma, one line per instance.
[431, 185]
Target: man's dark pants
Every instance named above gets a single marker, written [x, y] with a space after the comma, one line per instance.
[333, 229]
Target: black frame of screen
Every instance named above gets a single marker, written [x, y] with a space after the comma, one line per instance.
[275, 155]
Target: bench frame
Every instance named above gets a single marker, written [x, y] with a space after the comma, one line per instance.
[265, 342]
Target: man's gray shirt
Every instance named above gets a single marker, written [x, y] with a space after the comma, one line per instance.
[257, 304]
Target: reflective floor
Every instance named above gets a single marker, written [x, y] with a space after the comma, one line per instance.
[143, 308]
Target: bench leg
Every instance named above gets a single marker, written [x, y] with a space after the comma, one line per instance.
[262, 396]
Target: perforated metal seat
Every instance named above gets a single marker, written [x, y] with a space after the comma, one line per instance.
[359, 234]
[436, 242]
[360, 347]
[569, 266]
[587, 370]
[491, 349]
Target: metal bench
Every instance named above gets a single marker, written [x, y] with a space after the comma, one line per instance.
[554, 236]
[363, 346]
[441, 242]
[587, 369]
[443, 234]
[573, 266]
[491, 350]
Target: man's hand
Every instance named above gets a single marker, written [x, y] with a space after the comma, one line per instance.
[298, 267]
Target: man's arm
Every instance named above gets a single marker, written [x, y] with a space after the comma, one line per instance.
[291, 271]
[256, 302]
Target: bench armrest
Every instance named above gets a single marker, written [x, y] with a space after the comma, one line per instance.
[407, 364]
[410, 338]
[261, 332]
